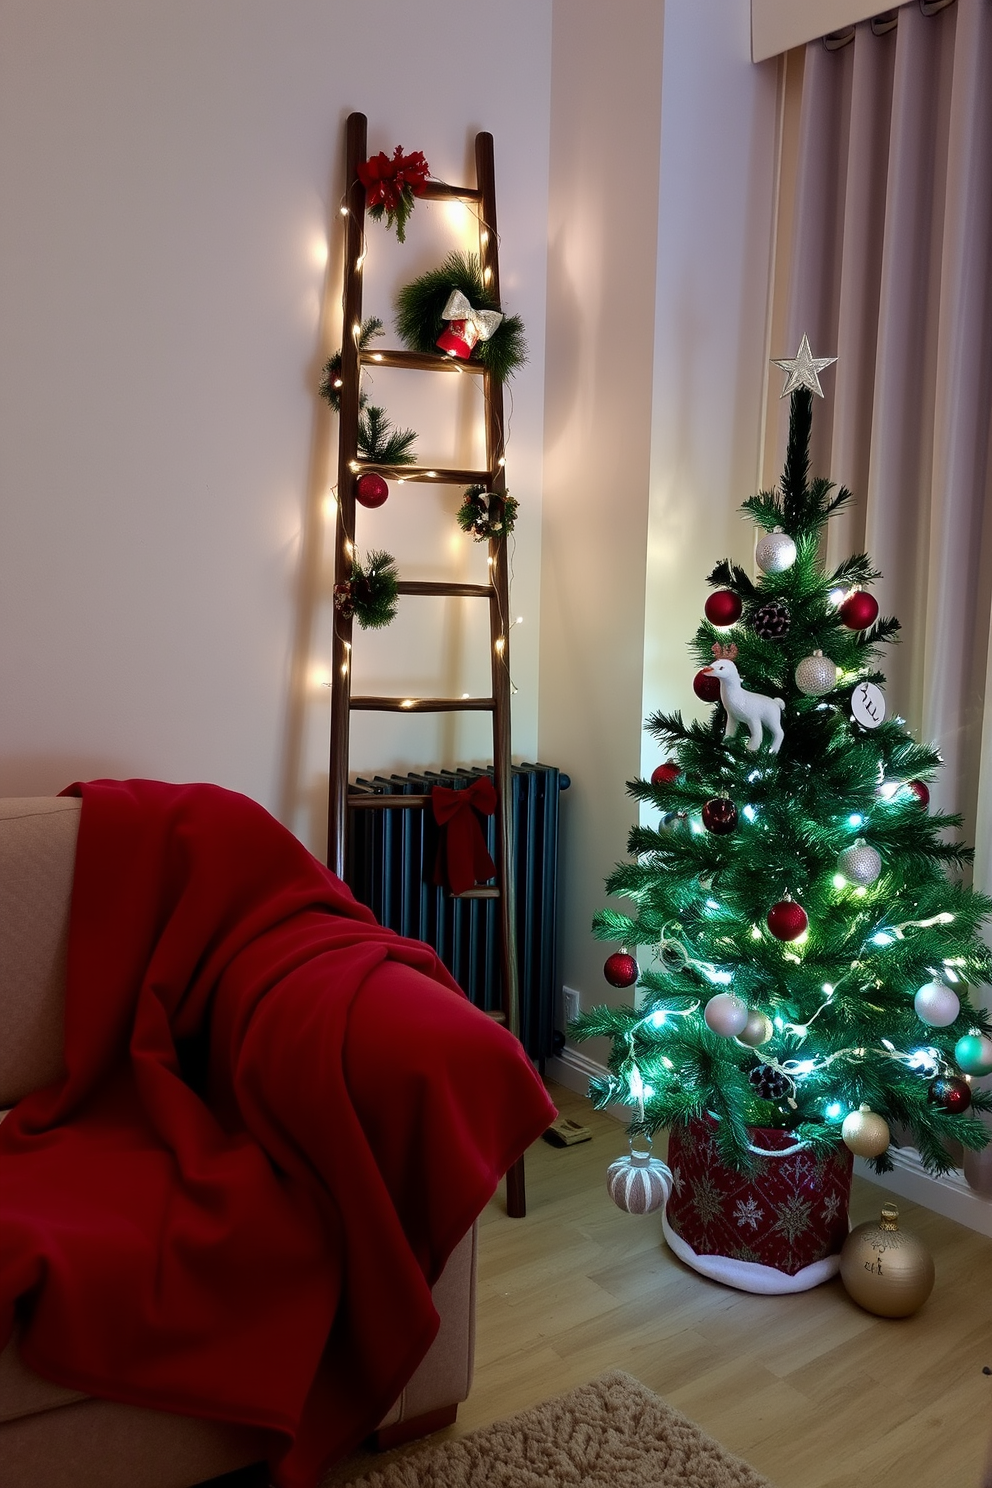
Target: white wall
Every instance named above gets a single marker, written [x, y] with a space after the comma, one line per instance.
[658, 294]
[169, 175]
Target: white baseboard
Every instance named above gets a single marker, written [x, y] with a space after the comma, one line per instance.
[949, 1195]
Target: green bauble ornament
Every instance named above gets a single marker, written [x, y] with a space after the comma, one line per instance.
[973, 1053]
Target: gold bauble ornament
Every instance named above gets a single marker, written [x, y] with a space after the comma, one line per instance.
[866, 1134]
[886, 1271]
[757, 1030]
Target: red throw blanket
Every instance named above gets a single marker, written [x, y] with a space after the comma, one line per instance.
[277, 1121]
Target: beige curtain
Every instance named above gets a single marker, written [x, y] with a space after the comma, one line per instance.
[889, 267]
[885, 258]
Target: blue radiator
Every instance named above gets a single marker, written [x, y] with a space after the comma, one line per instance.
[390, 866]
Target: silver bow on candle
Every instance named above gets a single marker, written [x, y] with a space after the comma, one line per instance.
[484, 322]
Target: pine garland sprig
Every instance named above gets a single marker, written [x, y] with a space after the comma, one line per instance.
[419, 318]
[371, 594]
[378, 441]
[329, 386]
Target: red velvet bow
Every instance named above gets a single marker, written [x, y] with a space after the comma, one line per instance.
[462, 856]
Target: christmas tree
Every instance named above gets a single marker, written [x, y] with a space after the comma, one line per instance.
[800, 936]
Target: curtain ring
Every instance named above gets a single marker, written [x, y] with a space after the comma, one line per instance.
[834, 40]
[882, 24]
[931, 7]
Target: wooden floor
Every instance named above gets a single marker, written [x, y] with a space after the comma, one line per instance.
[811, 1390]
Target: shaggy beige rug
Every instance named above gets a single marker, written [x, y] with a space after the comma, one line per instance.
[613, 1433]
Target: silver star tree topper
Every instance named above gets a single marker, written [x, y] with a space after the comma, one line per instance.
[802, 369]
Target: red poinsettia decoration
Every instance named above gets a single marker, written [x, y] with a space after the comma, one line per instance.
[391, 183]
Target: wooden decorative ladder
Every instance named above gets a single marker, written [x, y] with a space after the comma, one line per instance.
[495, 592]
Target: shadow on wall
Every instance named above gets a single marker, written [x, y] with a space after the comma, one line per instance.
[297, 797]
[565, 311]
[47, 775]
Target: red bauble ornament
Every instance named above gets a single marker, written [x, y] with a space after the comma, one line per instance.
[621, 970]
[859, 610]
[720, 816]
[787, 920]
[723, 607]
[706, 686]
[371, 489]
[665, 774]
[951, 1093]
[920, 791]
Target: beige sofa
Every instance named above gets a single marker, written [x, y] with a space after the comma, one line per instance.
[50, 1435]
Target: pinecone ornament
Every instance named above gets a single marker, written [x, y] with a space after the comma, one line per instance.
[772, 621]
[768, 1082]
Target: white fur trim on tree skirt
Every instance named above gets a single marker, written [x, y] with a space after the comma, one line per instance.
[751, 1276]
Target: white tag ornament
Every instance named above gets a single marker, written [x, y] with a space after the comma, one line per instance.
[868, 704]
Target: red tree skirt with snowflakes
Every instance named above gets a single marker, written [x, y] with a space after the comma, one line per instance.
[780, 1231]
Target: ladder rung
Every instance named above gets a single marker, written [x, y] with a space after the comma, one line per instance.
[441, 191]
[478, 893]
[423, 705]
[431, 473]
[496, 1015]
[373, 802]
[419, 361]
[431, 586]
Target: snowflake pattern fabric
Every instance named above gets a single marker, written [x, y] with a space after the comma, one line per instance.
[791, 1213]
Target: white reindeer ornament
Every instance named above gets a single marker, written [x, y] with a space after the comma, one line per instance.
[753, 709]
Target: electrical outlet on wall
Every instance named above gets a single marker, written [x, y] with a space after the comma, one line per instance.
[571, 1004]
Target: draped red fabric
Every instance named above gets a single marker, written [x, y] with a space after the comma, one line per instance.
[277, 1121]
[462, 856]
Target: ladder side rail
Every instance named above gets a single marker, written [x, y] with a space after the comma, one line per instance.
[500, 616]
[516, 1197]
[344, 532]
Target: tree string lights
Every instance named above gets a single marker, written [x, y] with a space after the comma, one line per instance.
[811, 958]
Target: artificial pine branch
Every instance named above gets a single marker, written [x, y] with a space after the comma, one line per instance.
[732, 576]
[330, 379]
[796, 473]
[378, 441]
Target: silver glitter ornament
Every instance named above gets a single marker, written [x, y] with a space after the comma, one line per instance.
[860, 864]
[775, 552]
[936, 1005]
[816, 675]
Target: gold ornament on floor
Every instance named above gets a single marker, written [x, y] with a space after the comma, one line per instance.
[866, 1134]
[886, 1271]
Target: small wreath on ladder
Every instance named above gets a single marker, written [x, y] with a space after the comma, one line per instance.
[450, 306]
[485, 514]
[371, 595]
